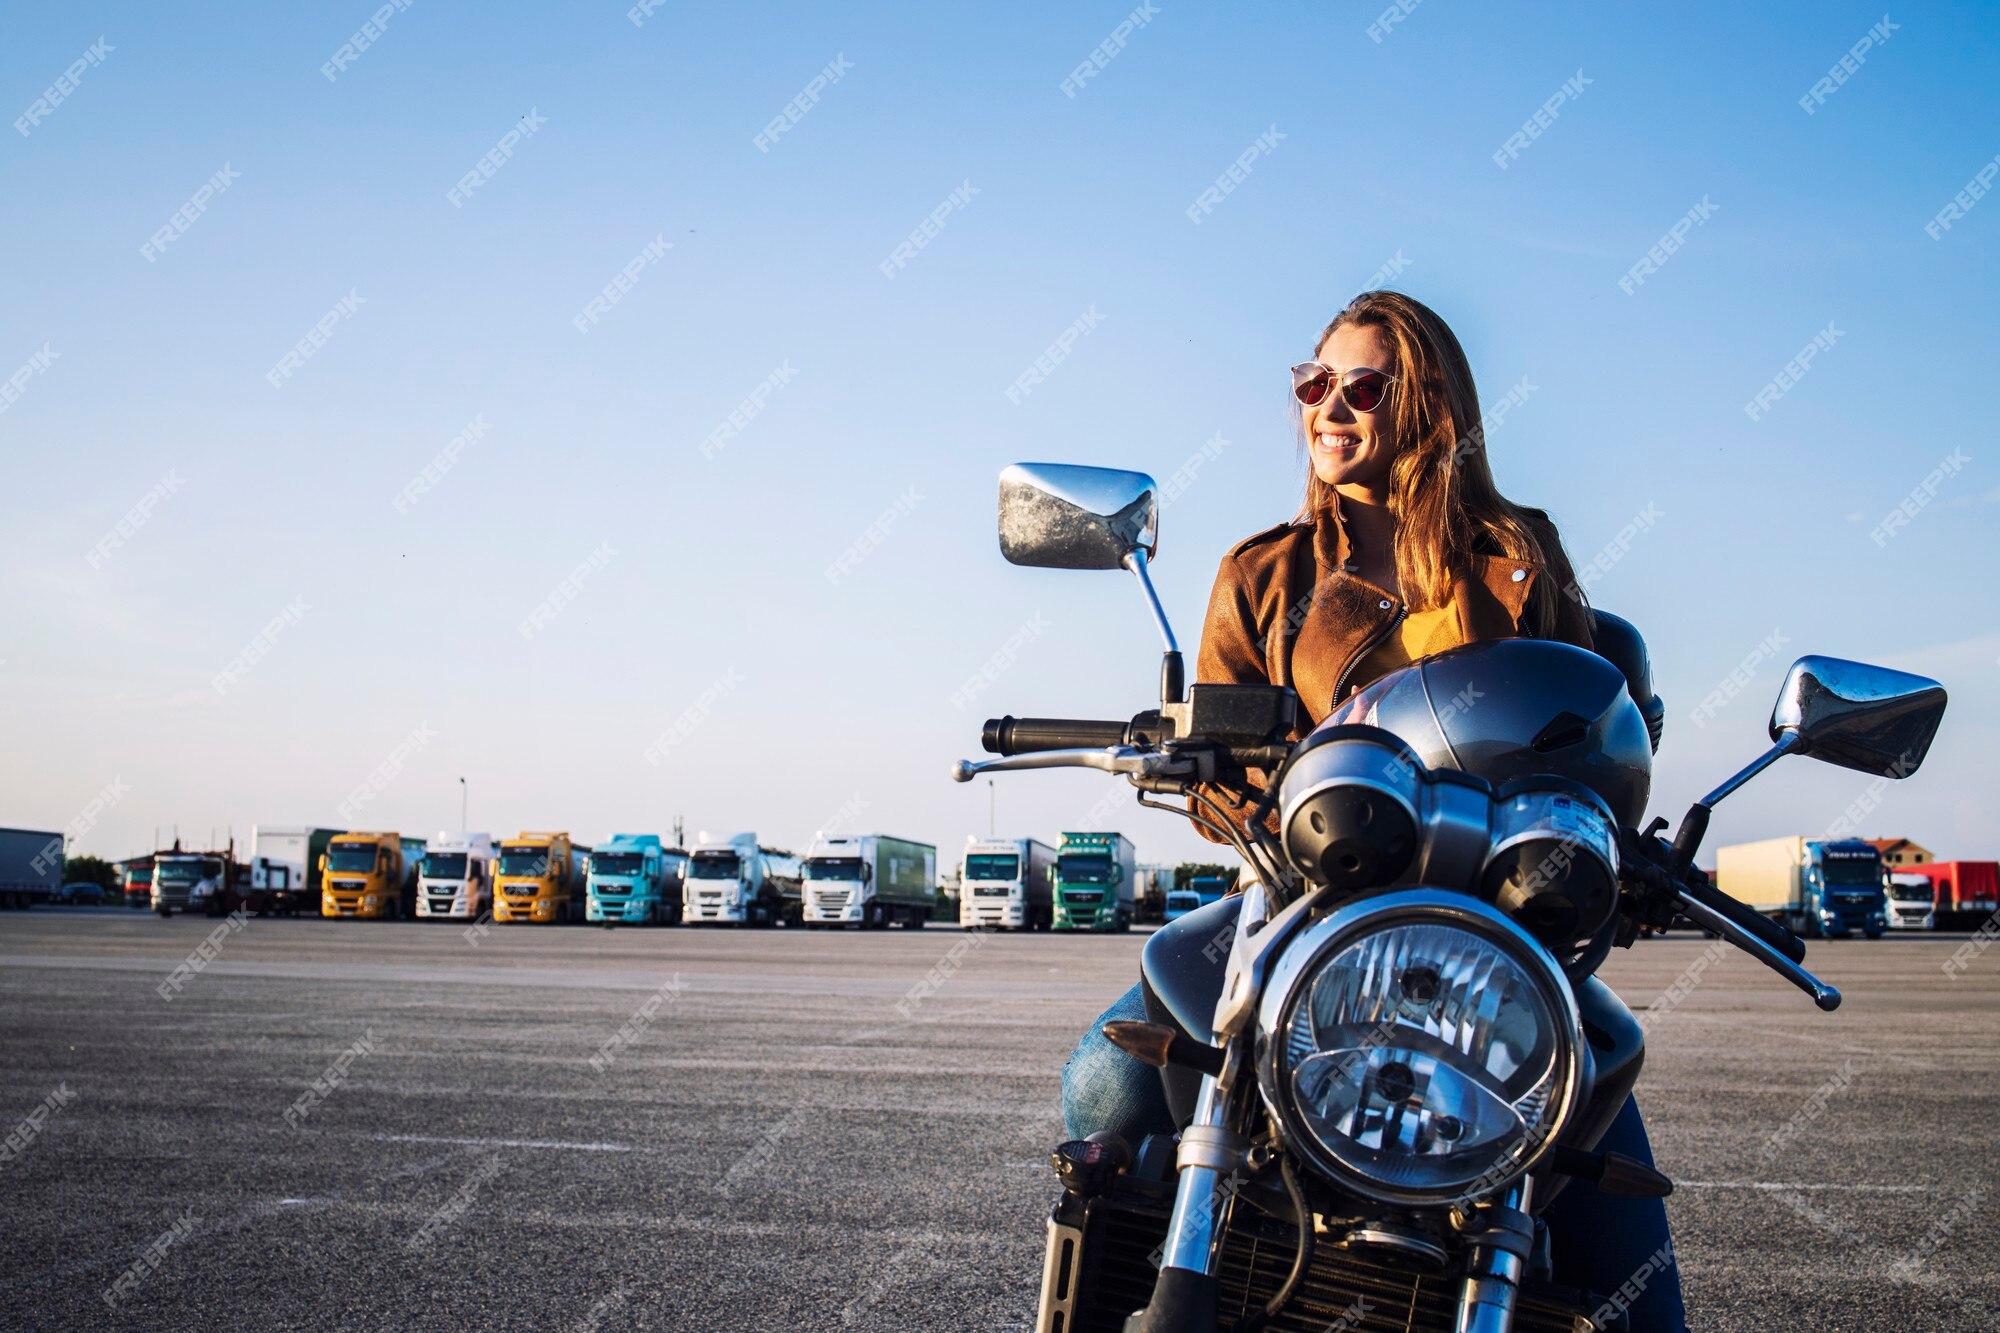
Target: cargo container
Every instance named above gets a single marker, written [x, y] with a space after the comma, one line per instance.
[734, 880]
[31, 867]
[635, 878]
[1911, 902]
[540, 879]
[285, 869]
[870, 881]
[1966, 892]
[1007, 884]
[455, 877]
[365, 875]
[1095, 875]
[1815, 886]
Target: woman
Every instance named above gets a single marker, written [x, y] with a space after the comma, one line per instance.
[1404, 548]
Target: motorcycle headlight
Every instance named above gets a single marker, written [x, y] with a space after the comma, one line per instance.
[1419, 1046]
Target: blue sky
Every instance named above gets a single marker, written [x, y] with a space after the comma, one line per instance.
[694, 600]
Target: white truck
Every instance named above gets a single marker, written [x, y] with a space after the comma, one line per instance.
[455, 877]
[870, 880]
[284, 869]
[1006, 884]
[1912, 902]
[732, 879]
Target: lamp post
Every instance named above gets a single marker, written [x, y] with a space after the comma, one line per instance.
[463, 827]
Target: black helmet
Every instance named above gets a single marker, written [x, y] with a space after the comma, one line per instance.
[1511, 708]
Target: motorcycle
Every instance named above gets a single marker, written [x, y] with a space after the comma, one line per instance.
[1390, 1051]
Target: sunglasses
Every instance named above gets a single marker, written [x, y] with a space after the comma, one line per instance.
[1363, 388]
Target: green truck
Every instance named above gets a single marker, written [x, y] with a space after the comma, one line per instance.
[1096, 874]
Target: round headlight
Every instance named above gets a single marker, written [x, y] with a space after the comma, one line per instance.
[1418, 1046]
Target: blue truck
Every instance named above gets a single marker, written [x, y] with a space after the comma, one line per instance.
[635, 878]
[1200, 892]
[1821, 887]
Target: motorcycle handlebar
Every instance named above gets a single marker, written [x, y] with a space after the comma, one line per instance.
[1765, 929]
[1026, 735]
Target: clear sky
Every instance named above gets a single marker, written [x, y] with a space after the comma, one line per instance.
[684, 594]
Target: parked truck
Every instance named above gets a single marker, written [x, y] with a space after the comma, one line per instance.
[1149, 892]
[135, 877]
[732, 879]
[871, 881]
[455, 877]
[285, 869]
[1095, 876]
[1912, 901]
[1201, 890]
[1815, 886]
[540, 880]
[635, 878]
[1007, 884]
[31, 867]
[213, 883]
[366, 875]
[1964, 893]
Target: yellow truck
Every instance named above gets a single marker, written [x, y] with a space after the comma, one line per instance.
[364, 875]
[541, 878]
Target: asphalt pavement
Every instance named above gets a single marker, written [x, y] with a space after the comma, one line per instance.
[328, 1125]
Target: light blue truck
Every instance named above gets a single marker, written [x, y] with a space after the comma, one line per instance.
[634, 878]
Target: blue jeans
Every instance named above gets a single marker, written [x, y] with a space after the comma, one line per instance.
[1598, 1242]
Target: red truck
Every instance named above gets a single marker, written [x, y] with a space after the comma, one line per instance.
[1968, 892]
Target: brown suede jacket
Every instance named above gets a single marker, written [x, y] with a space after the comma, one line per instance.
[1287, 609]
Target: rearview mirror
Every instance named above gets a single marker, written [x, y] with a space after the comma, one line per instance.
[1060, 516]
[1859, 716]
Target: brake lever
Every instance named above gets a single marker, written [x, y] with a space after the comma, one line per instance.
[1699, 912]
[1120, 759]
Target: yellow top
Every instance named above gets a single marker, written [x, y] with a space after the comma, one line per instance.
[1421, 634]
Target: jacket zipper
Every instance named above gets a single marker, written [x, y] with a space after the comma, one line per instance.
[1366, 649]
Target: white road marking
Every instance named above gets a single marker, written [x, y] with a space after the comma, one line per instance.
[505, 1143]
[1784, 1185]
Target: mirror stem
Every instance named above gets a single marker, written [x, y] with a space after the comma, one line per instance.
[1694, 825]
[1172, 673]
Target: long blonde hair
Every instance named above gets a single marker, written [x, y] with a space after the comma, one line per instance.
[1441, 490]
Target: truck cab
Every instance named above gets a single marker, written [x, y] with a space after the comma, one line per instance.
[540, 879]
[204, 882]
[139, 885]
[1006, 884]
[455, 877]
[871, 881]
[1845, 880]
[1912, 902]
[1095, 874]
[635, 879]
[362, 875]
[1200, 892]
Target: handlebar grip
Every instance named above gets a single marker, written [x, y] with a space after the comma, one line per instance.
[1773, 934]
[1025, 735]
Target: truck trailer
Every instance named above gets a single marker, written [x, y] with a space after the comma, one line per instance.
[1814, 886]
[1964, 893]
[1007, 884]
[870, 881]
[734, 880]
[636, 879]
[540, 879]
[455, 877]
[285, 869]
[365, 875]
[1095, 877]
[31, 867]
